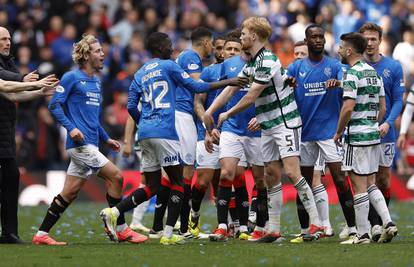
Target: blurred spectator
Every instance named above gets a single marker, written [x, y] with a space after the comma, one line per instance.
[296, 31]
[55, 29]
[135, 51]
[62, 48]
[125, 27]
[404, 52]
[346, 21]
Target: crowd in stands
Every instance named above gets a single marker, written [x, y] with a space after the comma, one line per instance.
[43, 33]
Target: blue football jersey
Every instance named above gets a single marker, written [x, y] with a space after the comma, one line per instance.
[77, 104]
[212, 73]
[238, 123]
[318, 106]
[392, 76]
[191, 62]
[155, 84]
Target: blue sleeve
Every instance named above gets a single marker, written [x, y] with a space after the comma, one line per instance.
[134, 95]
[191, 63]
[205, 75]
[291, 72]
[340, 69]
[59, 99]
[183, 79]
[103, 135]
[397, 92]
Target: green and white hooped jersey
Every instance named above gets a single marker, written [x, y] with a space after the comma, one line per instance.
[276, 105]
[362, 83]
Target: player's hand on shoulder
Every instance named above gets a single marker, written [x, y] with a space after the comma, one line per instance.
[253, 125]
[114, 145]
[239, 81]
[332, 83]
[291, 81]
[77, 135]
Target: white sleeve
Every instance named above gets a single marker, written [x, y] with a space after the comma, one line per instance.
[407, 114]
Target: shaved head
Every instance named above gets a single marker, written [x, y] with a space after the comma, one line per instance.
[5, 42]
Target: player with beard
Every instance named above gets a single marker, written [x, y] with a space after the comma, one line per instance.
[362, 110]
[276, 112]
[318, 106]
[155, 84]
[392, 76]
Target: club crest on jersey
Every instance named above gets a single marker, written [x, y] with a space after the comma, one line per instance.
[386, 73]
[98, 85]
[327, 72]
[60, 89]
[185, 75]
[192, 66]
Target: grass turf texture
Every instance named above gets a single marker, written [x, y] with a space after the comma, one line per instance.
[88, 246]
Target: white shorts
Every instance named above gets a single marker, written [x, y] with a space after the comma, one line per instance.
[85, 161]
[387, 154]
[247, 149]
[362, 160]
[207, 160]
[281, 144]
[187, 133]
[320, 164]
[232, 146]
[253, 150]
[309, 152]
[157, 153]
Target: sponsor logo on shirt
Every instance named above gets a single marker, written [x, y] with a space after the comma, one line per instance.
[327, 71]
[192, 66]
[386, 73]
[169, 159]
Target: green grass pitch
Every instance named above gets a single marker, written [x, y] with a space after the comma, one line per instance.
[88, 246]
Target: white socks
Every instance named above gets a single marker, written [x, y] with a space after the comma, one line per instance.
[377, 200]
[322, 204]
[361, 207]
[275, 200]
[139, 212]
[168, 231]
[306, 196]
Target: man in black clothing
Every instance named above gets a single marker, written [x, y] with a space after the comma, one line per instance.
[9, 172]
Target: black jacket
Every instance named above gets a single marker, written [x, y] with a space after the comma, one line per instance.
[8, 72]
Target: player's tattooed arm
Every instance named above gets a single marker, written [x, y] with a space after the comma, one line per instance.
[199, 100]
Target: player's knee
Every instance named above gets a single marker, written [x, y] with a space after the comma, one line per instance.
[202, 184]
[260, 184]
[119, 178]
[226, 175]
[383, 183]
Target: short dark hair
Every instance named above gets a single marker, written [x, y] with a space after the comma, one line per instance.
[234, 36]
[154, 42]
[310, 27]
[369, 26]
[357, 40]
[199, 33]
[219, 37]
[300, 43]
